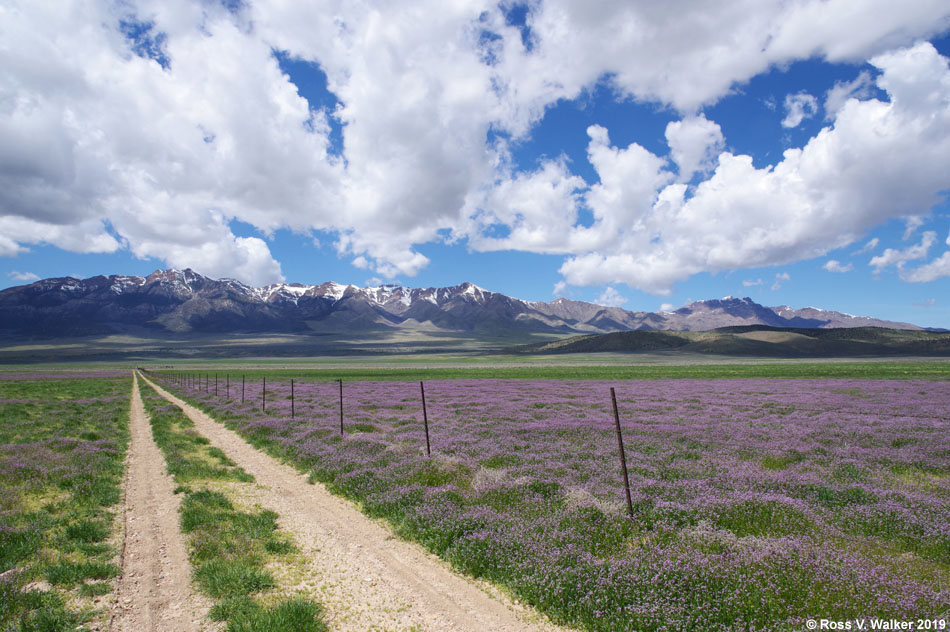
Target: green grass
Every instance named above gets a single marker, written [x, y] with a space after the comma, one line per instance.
[232, 578]
[248, 615]
[35, 610]
[88, 531]
[187, 454]
[62, 445]
[229, 547]
[939, 370]
[782, 461]
[758, 518]
[71, 574]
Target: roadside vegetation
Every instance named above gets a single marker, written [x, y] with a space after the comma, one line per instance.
[234, 550]
[62, 445]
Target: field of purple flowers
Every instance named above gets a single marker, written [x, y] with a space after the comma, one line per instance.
[62, 444]
[758, 503]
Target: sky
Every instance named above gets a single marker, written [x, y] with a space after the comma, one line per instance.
[628, 153]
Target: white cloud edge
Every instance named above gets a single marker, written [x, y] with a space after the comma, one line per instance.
[27, 277]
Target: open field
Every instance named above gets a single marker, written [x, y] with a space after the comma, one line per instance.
[584, 368]
[62, 444]
[759, 500]
[758, 503]
[718, 345]
[143, 343]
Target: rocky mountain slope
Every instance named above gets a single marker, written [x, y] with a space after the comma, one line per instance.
[183, 301]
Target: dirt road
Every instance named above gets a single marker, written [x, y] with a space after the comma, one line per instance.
[154, 592]
[365, 577]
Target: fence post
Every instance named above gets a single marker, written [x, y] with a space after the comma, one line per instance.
[227, 387]
[623, 458]
[215, 384]
[264, 394]
[341, 407]
[425, 417]
[242, 389]
[291, 399]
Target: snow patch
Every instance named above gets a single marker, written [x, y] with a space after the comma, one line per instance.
[334, 290]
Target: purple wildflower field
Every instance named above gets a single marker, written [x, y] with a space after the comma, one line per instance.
[758, 503]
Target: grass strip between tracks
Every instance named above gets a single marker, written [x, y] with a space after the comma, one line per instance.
[232, 549]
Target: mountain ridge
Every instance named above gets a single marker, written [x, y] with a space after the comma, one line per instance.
[182, 301]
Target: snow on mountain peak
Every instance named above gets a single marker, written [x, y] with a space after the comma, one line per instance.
[465, 303]
[121, 283]
[470, 289]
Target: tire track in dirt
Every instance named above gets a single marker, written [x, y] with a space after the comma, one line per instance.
[364, 576]
[154, 592]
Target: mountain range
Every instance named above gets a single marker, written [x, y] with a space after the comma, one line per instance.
[185, 302]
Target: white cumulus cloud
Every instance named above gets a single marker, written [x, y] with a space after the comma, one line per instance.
[610, 297]
[880, 159]
[833, 265]
[860, 88]
[780, 278]
[798, 107]
[936, 269]
[694, 144]
[911, 224]
[27, 277]
[868, 247]
[895, 257]
[157, 142]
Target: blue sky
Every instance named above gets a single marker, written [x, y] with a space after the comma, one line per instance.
[642, 157]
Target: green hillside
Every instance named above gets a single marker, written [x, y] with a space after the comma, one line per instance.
[758, 341]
